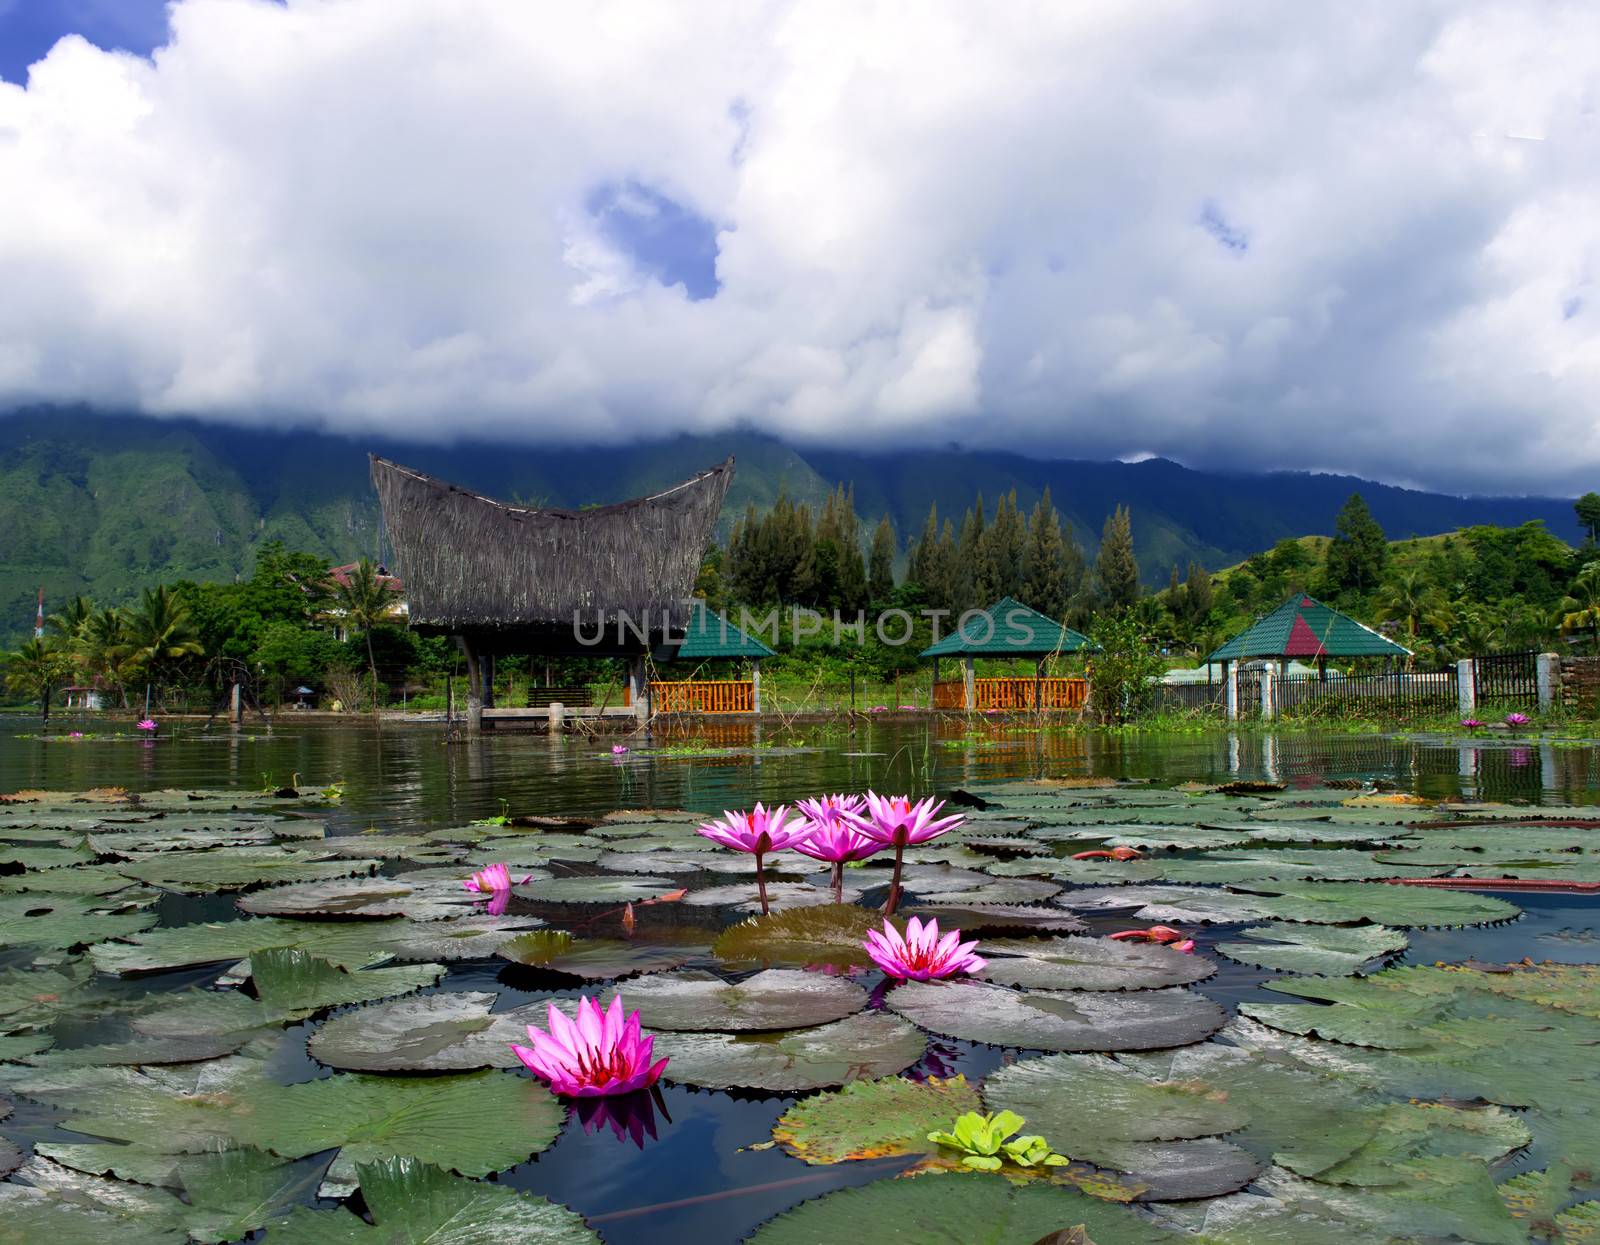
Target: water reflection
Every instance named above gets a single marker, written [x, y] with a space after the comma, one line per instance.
[630, 1117]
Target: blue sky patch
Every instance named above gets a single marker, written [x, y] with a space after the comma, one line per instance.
[1227, 235]
[30, 28]
[665, 240]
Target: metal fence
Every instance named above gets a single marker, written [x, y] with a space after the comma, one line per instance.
[1432, 691]
[1507, 678]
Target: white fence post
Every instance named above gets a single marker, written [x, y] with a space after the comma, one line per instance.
[1269, 694]
[1233, 691]
[1466, 686]
[1548, 667]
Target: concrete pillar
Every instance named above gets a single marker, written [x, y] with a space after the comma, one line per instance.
[755, 686]
[1466, 686]
[1548, 666]
[1548, 778]
[1269, 694]
[236, 705]
[969, 684]
[1230, 678]
[1467, 762]
[558, 716]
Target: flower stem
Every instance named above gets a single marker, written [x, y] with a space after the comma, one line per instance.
[894, 882]
[761, 884]
[838, 881]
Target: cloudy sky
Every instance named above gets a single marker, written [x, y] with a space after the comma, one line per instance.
[1360, 236]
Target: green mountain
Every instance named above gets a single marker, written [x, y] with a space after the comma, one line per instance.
[105, 504]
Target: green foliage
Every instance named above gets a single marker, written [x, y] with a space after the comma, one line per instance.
[34, 671]
[1122, 670]
[981, 1140]
[1116, 572]
[1357, 555]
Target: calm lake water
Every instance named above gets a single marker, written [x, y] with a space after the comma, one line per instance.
[696, 1181]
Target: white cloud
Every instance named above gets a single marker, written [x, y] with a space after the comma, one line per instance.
[1363, 235]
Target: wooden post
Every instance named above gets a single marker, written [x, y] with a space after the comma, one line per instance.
[236, 705]
[1038, 686]
[969, 681]
[474, 686]
[449, 699]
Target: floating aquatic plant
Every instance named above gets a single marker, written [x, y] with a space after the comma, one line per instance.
[600, 1053]
[834, 837]
[146, 724]
[982, 1142]
[494, 880]
[896, 822]
[759, 831]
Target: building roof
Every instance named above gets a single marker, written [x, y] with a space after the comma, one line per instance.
[1304, 627]
[1008, 628]
[475, 565]
[341, 576]
[712, 635]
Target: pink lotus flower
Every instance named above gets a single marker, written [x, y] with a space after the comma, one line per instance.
[598, 1054]
[1471, 724]
[1163, 934]
[618, 749]
[760, 831]
[1517, 719]
[834, 836]
[147, 725]
[921, 955]
[896, 822]
[493, 880]
[74, 734]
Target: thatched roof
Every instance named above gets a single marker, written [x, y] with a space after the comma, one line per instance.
[474, 564]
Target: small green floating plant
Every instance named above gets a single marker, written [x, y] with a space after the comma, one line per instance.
[981, 1139]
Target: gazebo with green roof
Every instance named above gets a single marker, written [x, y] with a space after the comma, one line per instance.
[1304, 628]
[1010, 629]
[711, 637]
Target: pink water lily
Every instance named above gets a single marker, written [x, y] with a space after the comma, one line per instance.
[759, 831]
[494, 880]
[834, 836]
[921, 954]
[618, 749]
[1517, 719]
[597, 1054]
[148, 724]
[896, 822]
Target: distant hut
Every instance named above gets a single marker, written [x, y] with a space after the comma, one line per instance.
[611, 581]
[1008, 628]
[1306, 629]
[712, 638]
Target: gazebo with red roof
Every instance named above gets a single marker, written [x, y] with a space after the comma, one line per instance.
[1303, 627]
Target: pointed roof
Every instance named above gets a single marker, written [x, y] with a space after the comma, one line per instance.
[712, 635]
[1008, 628]
[1306, 628]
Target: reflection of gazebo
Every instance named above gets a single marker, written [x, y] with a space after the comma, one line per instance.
[1304, 628]
[1008, 628]
[711, 637]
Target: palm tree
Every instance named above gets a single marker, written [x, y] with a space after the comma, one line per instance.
[158, 633]
[34, 670]
[365, 600]
[105, 648]
[69, 623]
[1580, 608]
[1409, 599]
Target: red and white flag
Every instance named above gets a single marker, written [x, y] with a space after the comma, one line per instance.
[38, 619]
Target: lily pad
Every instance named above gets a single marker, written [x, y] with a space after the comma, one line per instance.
[452, 1031]
[1182, 905]
[858, 1048]
[474, 1124]
[1318, 950]
[63, 921]
[202, 873]
[1091, 964]
[236, 1192]
[873, 1119]
[831, 934]
[988, 918]
[1338, 903]
[596, 959]
[1053, 1020]
[776, 998]
[960, 1209]
[44, 1201]
[362, 897]
[413, 1202]
[606, 888]
[781, 896]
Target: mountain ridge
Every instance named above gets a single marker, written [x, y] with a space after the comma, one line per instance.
[107, 503]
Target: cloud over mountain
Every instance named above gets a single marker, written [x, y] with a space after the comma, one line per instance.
[1362, 236]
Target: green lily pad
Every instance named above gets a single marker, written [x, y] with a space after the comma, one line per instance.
[596, 959]
[607, 889]
[363, 897]
[1053, 1020]
[452, 1031]
[62, 921]
[122, 1160]
[34, 997]
[142, 1051]
[202, 873]
[832, 935]
[414, 1202]
[781, 896]
[40, 859]
[474, 1123]
[1091, 964]
[861, 1047]
[677, 860]
[873, 1119]
[1403, 1133]
[973, 919]
[46, 1202]
[1339, 903]
[1318, 950]
[775, 998]
[22, 1045]
[1178, 905]
[83, 880]
[960, 1209]
[10, 1157]
[236, 1192]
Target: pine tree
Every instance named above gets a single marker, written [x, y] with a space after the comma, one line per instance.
[965, 576]
[1002, 552]
[941, 587]
[880, 572]
[1358, 551]
[1116, 571]
[1045, 563]
[919, 567]
[841, 574]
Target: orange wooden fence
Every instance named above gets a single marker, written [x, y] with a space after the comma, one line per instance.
[1012, 694]
[704, 696]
